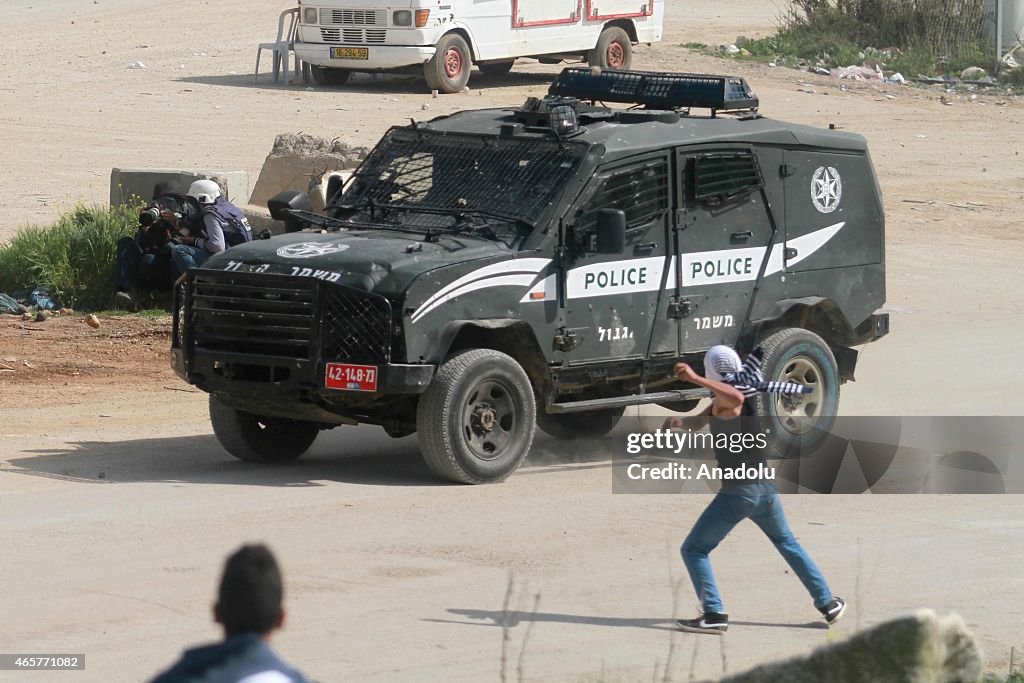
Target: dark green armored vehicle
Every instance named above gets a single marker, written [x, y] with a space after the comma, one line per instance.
[492, 271]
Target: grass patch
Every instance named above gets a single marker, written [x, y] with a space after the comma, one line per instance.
[695, 46]
[74, 257]
[927, 37]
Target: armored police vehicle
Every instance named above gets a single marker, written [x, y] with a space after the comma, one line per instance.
[493, 271]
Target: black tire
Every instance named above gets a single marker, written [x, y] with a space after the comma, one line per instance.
[476, 419]
[798, 424]
[448, 70]
[614, 50]
[253, 438]
[579, 425]
[496, 68]
[324, 75]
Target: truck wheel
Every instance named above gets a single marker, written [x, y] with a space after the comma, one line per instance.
[254, 438]
[798, 422]
[579, 425]
[448, 69]
[614, 50]
[496, 68]
[323, 75]
[476, 419]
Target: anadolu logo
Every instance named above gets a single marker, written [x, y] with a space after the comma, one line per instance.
[310, 249]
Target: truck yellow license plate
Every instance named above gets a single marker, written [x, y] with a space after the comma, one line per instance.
[350, 53]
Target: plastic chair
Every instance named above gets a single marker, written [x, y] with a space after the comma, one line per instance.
[287, 27]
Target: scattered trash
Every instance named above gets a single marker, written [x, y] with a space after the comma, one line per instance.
[26, 316]
[425, 107]
[890, 97]
[805, 90]
[9, 305]
[973, 73]
[67, 311]
[92, 321]
[821, 71]
[869, 71]
[922, 136]
[433, 93]
[897, 78]
[772, 64]
[43, 298]
[745, 52]
[28, 365]
[137, 65]
[945, 100]
[730, 50]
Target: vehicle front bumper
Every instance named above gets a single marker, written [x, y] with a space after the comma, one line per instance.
[382, 57]
[269, 376]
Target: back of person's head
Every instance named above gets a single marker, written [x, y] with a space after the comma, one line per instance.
[251, 592]
[168, 187]
[720, 361]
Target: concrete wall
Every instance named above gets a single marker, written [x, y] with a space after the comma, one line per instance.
[125, 182]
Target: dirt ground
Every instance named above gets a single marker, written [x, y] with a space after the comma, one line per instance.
[117, 506]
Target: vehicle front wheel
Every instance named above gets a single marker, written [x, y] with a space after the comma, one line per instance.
[798, 423]
[614, 50]
[579, 425]
[255, 438]
[448, 69]
[323, 75]
[476, 419]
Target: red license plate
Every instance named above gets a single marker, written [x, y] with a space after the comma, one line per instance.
[351, 377]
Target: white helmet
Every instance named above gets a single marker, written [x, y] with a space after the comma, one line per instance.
[204, 191]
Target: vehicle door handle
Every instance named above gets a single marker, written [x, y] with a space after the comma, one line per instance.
[645, 248]
[742, 236]
[791, 253]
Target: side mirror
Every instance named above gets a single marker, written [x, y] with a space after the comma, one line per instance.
[611, 231]
[282, 204]
[334, 184]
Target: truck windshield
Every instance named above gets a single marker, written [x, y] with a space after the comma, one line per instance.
[461, 182]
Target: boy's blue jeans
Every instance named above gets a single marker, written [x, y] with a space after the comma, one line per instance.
[760, 503]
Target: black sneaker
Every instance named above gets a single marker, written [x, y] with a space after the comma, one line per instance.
[123, 301]
[834, 610]
[709, 622]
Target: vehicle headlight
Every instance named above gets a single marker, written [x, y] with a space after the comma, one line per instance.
[310, 15]
[402, 17]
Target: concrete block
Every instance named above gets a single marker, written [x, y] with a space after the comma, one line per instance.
[303, 162]
[126, 182]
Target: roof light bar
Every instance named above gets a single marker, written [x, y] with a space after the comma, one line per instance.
[656, 90]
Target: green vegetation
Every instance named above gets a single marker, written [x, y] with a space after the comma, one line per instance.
[74, 257]
[929, 37]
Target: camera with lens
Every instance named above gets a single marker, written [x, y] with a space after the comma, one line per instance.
[158, 231]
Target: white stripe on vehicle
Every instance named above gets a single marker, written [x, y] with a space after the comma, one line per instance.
[530, 266]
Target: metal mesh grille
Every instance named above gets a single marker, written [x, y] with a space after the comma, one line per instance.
[354, 17]
[240, 314]
[641, 191]
[510, 178]
[722, 176]
[356, 327]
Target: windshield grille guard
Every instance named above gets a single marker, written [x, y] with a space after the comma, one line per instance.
[514, 179]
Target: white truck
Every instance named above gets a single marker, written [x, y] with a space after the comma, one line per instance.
[445, 38]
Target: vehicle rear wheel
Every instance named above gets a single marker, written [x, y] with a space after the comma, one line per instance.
[255, 438]
[798, 423]
[579, 425]
[614, 50]
[496, 68]
[324, 75]
[476, 419]
[448, 69]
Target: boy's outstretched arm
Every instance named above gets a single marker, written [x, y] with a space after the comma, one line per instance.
[728, 399]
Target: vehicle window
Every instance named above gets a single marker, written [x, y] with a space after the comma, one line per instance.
[720, 177]
[641, 191]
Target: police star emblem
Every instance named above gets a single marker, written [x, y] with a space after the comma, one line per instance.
[826, 189]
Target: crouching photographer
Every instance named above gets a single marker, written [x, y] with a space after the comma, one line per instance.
[144, 260]
[221, 225]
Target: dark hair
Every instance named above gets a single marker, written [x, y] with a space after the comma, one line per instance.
[249, 599]
[165, 187]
